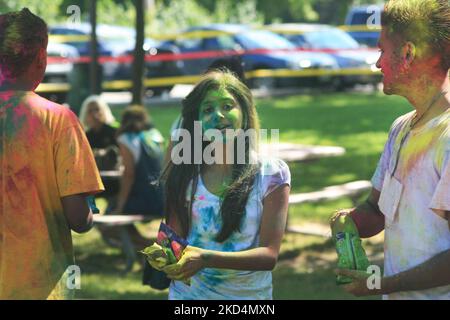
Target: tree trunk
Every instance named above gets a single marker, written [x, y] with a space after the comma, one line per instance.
[138, 61]
[94, 66]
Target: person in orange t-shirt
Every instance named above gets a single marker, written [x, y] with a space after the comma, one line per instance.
[46, 170]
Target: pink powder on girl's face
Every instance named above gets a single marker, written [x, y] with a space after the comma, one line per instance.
[389, 63]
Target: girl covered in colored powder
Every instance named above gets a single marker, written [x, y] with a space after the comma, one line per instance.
[233, 213]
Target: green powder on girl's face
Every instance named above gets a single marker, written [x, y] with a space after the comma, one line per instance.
[220, 110]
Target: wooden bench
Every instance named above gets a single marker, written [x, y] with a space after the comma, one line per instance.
[351, 189]
[293, 152]
[121, 222]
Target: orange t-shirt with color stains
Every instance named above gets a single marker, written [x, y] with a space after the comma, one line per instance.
[44, 155]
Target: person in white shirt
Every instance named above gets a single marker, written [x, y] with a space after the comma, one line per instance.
[410, 198]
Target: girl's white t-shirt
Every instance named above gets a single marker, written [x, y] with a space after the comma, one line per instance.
[215, 284]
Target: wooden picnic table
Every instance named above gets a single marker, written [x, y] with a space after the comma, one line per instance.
[292, 152]
[111, 174]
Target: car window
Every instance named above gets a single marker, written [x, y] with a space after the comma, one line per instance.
[360, 18]
[298, 40]
[118, 46]
[257, 39]
[190, 44]
[330, 39]
[224, 42]
[365, 38]
[65, 31]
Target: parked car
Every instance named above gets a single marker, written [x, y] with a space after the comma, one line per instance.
[78, 37]
[59, 66]
[116, 41]
[363, 24]
[154, 68]
[259, 49]
[347, 52]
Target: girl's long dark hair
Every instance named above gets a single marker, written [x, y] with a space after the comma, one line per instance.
[177, 177]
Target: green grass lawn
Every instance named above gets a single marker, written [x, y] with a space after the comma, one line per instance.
[358, 122]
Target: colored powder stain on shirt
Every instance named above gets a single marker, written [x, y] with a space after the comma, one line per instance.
[15, 117]
[421, 141]
[441, 155]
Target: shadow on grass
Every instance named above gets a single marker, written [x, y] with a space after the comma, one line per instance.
[118, 289]
[110, 264]
[293, 253]
[311, 284]
[103, 278]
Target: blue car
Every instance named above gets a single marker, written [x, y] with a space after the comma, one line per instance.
[258, 49]
[363, 23]
[115, 41]
[348, 53]
[78, 38]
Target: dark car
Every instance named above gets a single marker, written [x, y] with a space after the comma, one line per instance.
[259, 50]
[155, 69]
[77, 36]
[119, 42]
[349, 54]
[363, 23]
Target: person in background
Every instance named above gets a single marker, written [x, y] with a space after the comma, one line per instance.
[98, 122]
[101, 131]
[141, 148]
[47, 170]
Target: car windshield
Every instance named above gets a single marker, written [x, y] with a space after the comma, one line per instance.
[330, 39]
[250, 40]
[118, 45]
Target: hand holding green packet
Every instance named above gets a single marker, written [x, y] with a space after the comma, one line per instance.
[156, 256]
[167, 250]
[351, 254]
